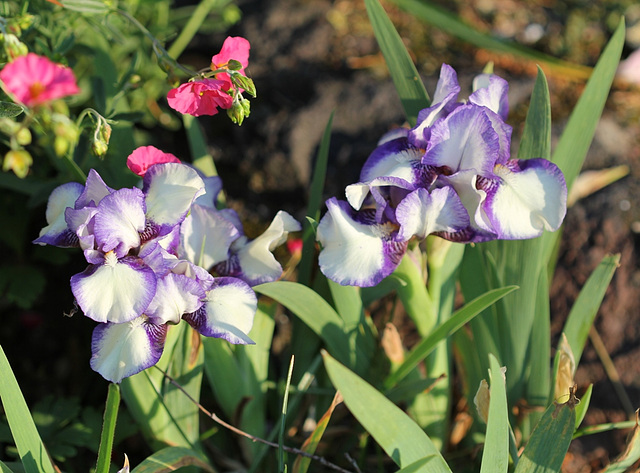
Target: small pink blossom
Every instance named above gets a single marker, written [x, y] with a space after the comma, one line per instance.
[234, 47]
[144, 157]
[200, 97]
[34, 80]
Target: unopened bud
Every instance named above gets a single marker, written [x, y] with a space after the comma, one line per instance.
[23, 137]
[239, 110]
[234, 65]
[99, 148]
[60, 145]
[13, 47]
[19, 161]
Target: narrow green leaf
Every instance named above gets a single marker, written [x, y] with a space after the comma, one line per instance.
[550, 440]
[583, 405]
[196, 19]
[586, 306]
[313, 208]
[30, 447]
[630, 456]
[576, 138]
[108, 428]
[87, 6]
[450, 23]
[536, 136]
[10, 109]
[442, 331]
[314, 311]
[418, 466]
[406, 79]
[4, 468]
[495, 456]
[170, 459]
[401, 438]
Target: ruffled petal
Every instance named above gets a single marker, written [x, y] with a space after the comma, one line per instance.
[170, 190]
[57, 232]
[355, 249]
[466, 139]
[228, 311]
[95, 190]
[422, 213]
[122, 350]
[119, 221]
[116, 291]
[176, 295]
[491, 91]
[206, 236]
[529, 197]
[257, 263]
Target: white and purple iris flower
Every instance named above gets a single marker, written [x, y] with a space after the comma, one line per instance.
[144, 272]
[451, 175]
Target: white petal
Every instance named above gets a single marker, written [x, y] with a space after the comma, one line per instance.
[228, 311]
[170, 189]
[117, 291]
[122, 350]
[61, 198]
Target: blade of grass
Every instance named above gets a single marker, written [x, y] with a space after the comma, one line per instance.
[413, 95]
[495, 456]
[28, 442]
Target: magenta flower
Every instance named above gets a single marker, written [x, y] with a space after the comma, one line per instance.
[144, 157]
[34, 80]
[200, 97]
[205, 96]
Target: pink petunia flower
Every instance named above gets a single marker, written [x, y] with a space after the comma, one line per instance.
[200, 97]
[34, 80]
[144, 157]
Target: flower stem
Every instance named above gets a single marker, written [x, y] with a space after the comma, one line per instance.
[108, 428]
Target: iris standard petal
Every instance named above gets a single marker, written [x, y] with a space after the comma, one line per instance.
[356, 250]
[257, 264]
[122, 350]
[529, 197]
[95, 190]
[119, 221]
[227, 312]
[421, 213]
[393, 158]
[57, 231]
[466, 139]
[116, 291]
[170, 190]
[206, 236]
[491, 91]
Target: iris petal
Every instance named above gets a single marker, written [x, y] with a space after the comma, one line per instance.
[116, 291]
[227, 312]
[355, 251]
[57, 232]
[122, 350]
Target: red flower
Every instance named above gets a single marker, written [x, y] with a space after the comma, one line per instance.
[144, 157]
[34, 80]
[200, 97]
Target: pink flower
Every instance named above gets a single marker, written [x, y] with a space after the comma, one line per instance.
[34, 80]
[144, 157]
[200, 97]
[234, 47]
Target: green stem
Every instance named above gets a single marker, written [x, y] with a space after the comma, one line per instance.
[108, 428]
[191, 28]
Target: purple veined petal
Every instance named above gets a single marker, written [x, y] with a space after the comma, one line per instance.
[119, 221]
[387, 157]
[176, 295]
[57, 232]
[171, 241]
[94, 191]
[447, 84]
[419, 135]
[122, 350]
[529, 197]
[206, 236]
[491, 91]
[422, 213]
[464, 140]
[227, 312]
[116, 291]
[212, 188]
[157, 258]
[255, 259]
[356, 250]
[170, 189]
